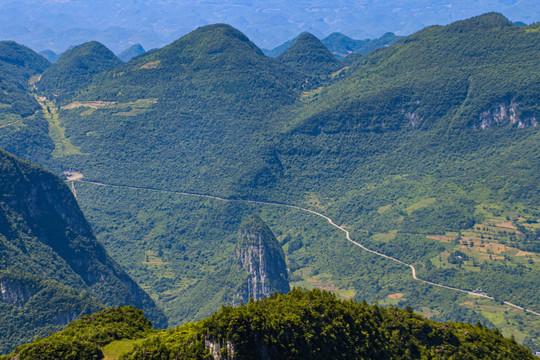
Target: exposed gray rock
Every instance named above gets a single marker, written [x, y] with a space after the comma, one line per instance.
[218, 350]
[15, 293]
[505, 113]
[41, 222]
[261, 256]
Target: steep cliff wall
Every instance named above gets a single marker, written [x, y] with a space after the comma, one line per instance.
[506, 113]
[260, 255]
[44, 237]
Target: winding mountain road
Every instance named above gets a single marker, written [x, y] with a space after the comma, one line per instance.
[330, 221]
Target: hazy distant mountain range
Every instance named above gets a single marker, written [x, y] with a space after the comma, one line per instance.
[211, 173]
[58, 24]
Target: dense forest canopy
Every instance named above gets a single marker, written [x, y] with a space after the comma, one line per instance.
[300, 325]
[425, 151]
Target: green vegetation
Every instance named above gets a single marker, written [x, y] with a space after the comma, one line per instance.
[109, 325]
[17, 65]
[84, 338]
[308, 55]
[341, 45]
[52, 269]
[300, 325]
[23, 130]
[32, 306]
[62, 145]
[74, 70]
[411, 148]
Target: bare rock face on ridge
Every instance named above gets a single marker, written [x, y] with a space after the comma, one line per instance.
[261, 256]
[52, 268]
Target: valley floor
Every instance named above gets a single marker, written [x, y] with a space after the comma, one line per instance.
[481, 294]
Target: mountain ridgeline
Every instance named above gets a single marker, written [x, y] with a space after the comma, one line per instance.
[17, 64]
[131, 52]
[308, 54]
[424, 151]
[341, 45]
[439, 77]
[301, 325]
[74, 69]
[24, 129]
[52, 269]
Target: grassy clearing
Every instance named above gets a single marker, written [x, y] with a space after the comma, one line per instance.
[87, 112]
[385, 237]
[151, 65]
[8, 119]
[428, 312]
[308, 96]
[152, 258]
[441, 238]
[115, 349]
[323, 282]
[393, 299]
[396, 296]
[338, 72]
[57, 132]
[133, 108]
[420, 204]
[89, 104]
[316, 201]
[509, 320]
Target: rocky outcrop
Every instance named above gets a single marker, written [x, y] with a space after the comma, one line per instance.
[505, 113]
[219, 350]
[261, 256]
[44, 233]
[15, 293]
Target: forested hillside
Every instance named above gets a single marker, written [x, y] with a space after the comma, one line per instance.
[131, 52]
[52, 269]
[301, 325]
[341, 45]
[425, 151]
[23, 128]
[17, 64]
[309, 55]
[74, 69]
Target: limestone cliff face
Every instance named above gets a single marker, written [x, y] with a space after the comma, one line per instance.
[15, 294]
[505, 113]
[261, 256]
[44, 233]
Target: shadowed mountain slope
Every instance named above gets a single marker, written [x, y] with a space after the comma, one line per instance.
[44, 237]
[131, 52]
[17, 64]
[341, 45]
[425, 151]
[23, 130]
